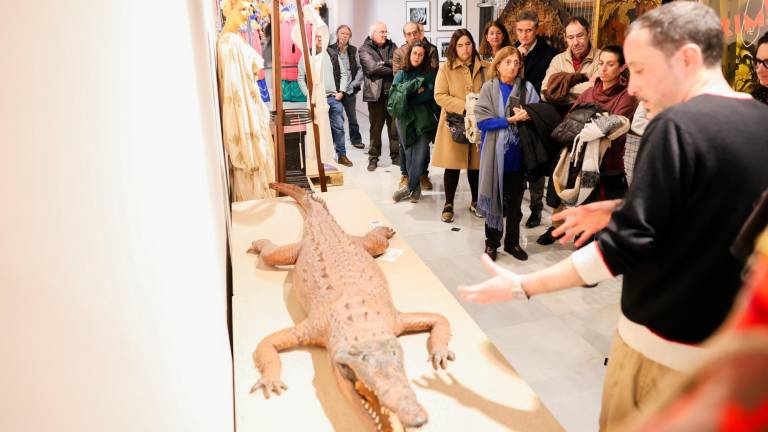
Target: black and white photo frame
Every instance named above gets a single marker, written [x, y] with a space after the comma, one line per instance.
[451, 14]
[419, 11]
[442, 47]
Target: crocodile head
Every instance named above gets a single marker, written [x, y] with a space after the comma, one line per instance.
[371, 374]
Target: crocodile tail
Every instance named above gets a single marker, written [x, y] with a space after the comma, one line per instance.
[295, 192]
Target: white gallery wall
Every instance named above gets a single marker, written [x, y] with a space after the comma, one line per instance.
[113, 311]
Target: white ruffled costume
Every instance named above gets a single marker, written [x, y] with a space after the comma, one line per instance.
[245, 119]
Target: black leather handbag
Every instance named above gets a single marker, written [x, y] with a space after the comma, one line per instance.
[455, 124]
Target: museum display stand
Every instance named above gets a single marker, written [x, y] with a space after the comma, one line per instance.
[479, 391]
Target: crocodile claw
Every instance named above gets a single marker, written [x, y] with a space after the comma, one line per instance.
[269, 386]
[256, 246]
[440, 358]
[387, 231]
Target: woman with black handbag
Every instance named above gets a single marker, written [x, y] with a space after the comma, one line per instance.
[462, 73]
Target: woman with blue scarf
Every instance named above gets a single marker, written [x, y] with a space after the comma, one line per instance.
[502, 175]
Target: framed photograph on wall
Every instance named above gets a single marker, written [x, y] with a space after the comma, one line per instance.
[451, 14]
[418, 11]
[442, 47]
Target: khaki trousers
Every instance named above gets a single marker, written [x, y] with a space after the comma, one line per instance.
[631, 383]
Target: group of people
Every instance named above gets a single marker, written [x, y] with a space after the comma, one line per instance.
[513, 95]
[514, 114]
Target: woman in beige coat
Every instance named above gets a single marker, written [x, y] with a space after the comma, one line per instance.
[463, 72]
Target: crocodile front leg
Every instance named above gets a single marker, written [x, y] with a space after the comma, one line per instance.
[376, 241]
[267, 357]
[439, 334]
[276, 255]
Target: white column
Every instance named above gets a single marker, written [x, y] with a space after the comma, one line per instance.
[112, 264]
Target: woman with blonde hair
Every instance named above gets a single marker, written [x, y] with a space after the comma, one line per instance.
[502, 172]
[462, 73]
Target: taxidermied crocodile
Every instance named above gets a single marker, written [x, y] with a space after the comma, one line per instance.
[350, 313]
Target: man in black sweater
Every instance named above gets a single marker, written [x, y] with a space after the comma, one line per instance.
[671, 235]
[537, 54]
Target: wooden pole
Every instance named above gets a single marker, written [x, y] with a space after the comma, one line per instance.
[315, 130]
[277, 80]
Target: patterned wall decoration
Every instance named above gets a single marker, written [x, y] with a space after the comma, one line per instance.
[743, 21]
[614, 16]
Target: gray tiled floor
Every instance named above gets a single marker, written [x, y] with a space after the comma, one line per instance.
[557, 342]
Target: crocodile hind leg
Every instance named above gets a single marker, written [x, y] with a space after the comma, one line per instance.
[376, 241]
[439, 334]
[275, 255]
[267, 357]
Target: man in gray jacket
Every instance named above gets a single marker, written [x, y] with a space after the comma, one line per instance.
[376, 59]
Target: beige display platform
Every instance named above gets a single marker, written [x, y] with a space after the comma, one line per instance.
[479, 392]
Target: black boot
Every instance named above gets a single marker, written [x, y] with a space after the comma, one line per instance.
[491, 252]
[534, 220]
[516, 251]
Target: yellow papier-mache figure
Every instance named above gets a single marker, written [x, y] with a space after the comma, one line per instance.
[244, 116]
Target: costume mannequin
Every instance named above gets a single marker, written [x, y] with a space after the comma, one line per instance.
[244, 116]
[290, 51]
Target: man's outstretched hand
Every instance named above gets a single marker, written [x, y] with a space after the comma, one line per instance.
[584, 220]
[504, 285]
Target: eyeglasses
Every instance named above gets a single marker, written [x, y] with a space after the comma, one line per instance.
[763, 62]
[382, 32]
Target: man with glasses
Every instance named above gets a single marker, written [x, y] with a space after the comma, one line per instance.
[761, 69]
[376, 59]
[537, 55]
[413, 32]
[349, 60]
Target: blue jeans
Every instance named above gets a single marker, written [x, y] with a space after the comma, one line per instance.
[414, 158]
[349, 101]
[403, 170]
[336, 115]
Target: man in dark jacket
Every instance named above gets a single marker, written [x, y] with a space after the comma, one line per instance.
[537, 54]
[348, 59]
[376, 60]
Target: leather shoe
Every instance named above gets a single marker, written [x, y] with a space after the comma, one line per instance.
[517, 252]
[358, 145]
[425, 183]
[372, 164]
[447, 215]
[403, 181]
[401, 194]
[416, 195]
[491, 252]
[396, 161]
[344, 160]
[547, 238]
[534, 220]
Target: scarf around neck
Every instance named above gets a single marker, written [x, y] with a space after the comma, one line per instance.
[490, 105]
